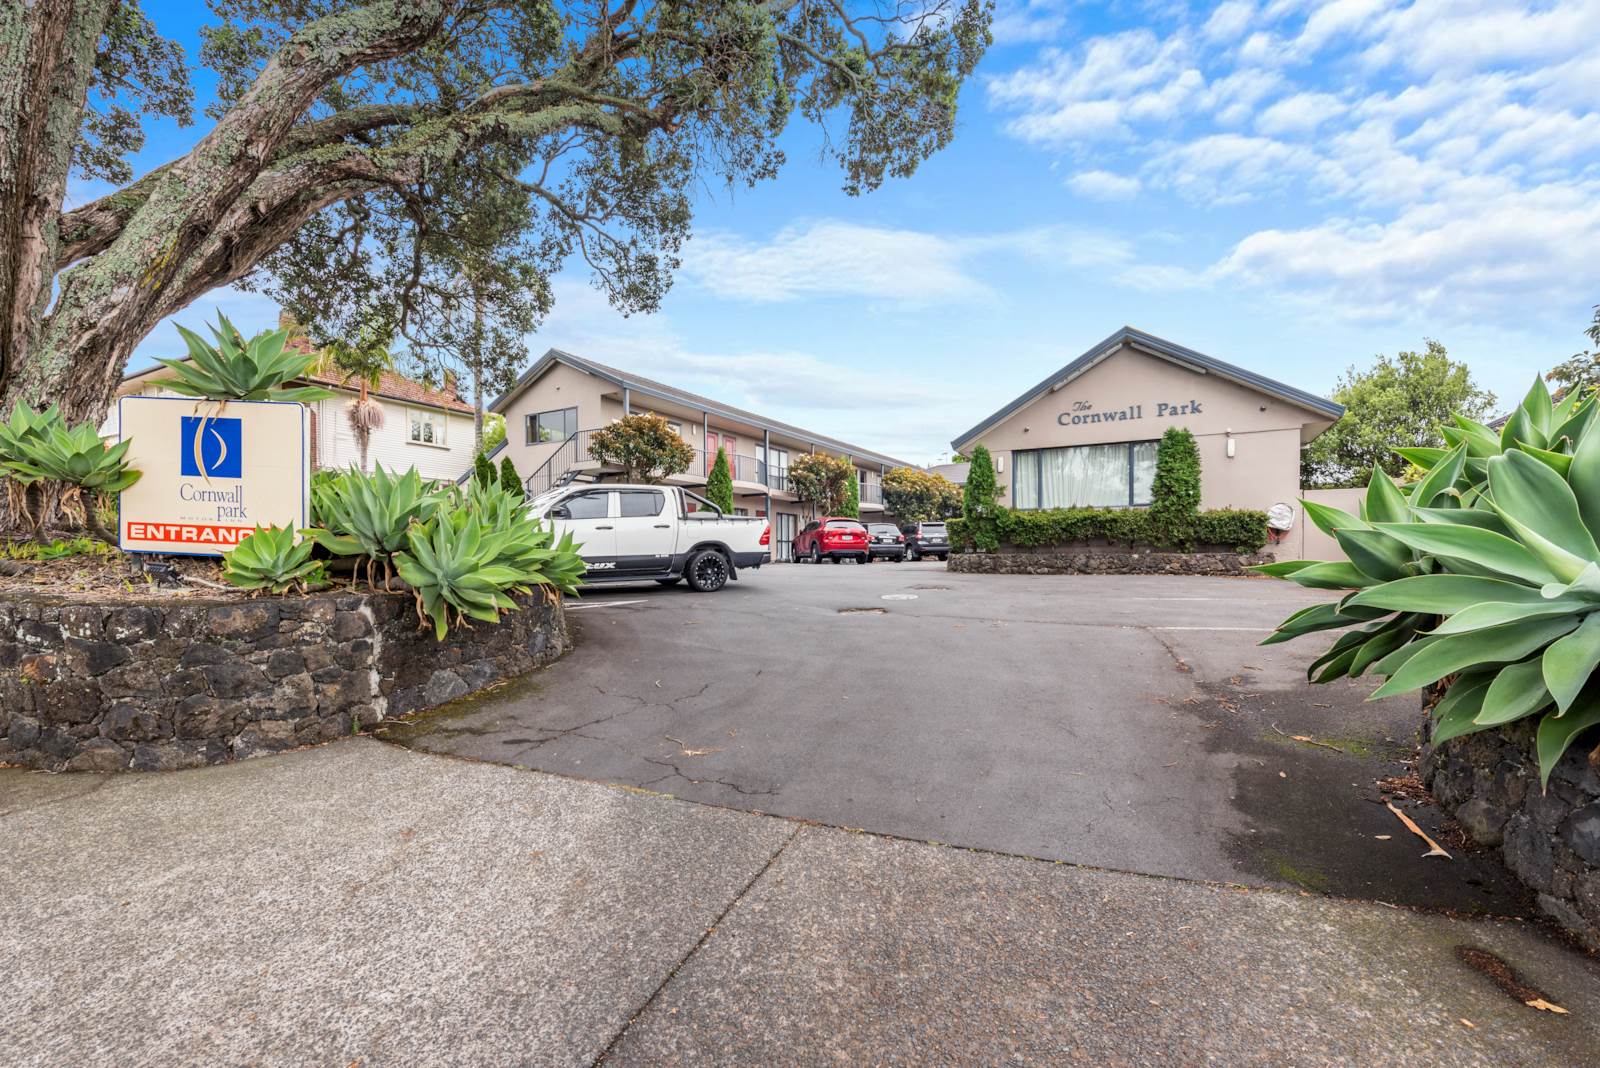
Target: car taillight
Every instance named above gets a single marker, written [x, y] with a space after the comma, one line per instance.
[766, 535]
[899, 537]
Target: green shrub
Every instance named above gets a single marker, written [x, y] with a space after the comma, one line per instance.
[980, 494]
[483, 471]
[1175, 490]
[820, 479]
[270, 560]
[236, 369]
[38, 449]
[851, 506]
[719, 483]
[913, 495]
[1245, 531]
[1483, 575]
[510, 481]
[644, 445]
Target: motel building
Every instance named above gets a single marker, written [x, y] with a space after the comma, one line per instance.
[556, 406]
[1086, 435]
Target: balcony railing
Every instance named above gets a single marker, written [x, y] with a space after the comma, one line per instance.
[871, 492]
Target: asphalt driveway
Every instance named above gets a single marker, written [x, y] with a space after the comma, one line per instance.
[1124, 722]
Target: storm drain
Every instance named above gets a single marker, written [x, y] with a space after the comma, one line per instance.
[874, 610]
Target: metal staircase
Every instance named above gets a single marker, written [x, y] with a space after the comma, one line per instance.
[561, 467]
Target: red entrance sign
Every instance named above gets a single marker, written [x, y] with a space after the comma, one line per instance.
[198, 534]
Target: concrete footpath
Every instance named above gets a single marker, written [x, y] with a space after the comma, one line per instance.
[366, 905]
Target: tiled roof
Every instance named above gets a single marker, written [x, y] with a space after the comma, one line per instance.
[398, 387]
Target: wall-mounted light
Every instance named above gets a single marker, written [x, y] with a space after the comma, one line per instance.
[1000, 462]
[1230, 443]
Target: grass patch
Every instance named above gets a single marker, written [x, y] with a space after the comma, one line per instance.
[59, 549]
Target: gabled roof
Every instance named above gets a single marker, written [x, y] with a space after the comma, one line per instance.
[1166, 350]
[649, 387]
[391, 386]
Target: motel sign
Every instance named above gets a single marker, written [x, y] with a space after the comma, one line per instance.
[212, 472]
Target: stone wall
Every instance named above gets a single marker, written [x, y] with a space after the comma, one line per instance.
[1549, 838]
[1107, 561]
[159, 684]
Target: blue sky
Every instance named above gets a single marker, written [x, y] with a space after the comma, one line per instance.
[1291, 185]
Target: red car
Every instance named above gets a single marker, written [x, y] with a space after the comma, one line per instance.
[833, 537]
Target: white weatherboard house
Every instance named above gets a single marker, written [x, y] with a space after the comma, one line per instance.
[426, 428]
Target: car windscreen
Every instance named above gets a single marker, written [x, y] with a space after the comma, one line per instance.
[882, 528]
[933, 528]
[844, 524]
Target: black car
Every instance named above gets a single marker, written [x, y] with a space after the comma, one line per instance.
[885, 542]
[926, 539]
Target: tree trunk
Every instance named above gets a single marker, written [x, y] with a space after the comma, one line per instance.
[107, 306]
[47, 54]
[477, 372]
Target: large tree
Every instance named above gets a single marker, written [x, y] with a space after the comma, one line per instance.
[606, 113]
[1398, 401]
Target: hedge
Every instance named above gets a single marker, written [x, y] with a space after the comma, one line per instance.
[1243, 529]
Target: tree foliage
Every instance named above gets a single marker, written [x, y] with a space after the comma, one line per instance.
[1399, 402]
[851, 505]
[980, 494]
[719, 483]
[1175, 490]
[510, 481]
[644, 445]
[450, 154]
[820, 479]
[913, 495]
[1582, 371]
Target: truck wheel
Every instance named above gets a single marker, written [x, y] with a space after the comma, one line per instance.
[707, 571]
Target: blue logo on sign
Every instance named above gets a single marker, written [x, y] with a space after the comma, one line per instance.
[211, 447]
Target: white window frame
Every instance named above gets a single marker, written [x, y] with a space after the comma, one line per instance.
[419, 417]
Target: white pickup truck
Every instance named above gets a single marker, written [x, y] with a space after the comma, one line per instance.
[633, 533]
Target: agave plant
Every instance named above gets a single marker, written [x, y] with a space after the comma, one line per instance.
[39, 447]
[236, 369]
[270, 560]
[369, 515]
[462, 565]
[1483, 575]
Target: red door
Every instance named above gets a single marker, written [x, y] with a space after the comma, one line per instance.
[730, 445]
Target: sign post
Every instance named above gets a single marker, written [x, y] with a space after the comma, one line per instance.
[212, 472]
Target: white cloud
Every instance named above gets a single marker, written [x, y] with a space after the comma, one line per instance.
[850, 400]
[1426, 153]
[830, 258]
[1229, 20]
[1024, 21]
[1300, 113]
[1464, 254]
[1104, 185]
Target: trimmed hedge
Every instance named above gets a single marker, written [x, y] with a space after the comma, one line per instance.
[1243, 529]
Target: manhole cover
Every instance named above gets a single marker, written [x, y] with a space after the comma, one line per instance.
[874, 610]
[898, 597]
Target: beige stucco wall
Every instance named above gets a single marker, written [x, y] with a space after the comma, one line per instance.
[1305, 541]
[1264, 469]
[559, 387]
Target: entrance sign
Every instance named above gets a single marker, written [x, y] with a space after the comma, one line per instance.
[212, 472]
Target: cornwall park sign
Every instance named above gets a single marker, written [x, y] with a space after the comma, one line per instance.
[212, 472]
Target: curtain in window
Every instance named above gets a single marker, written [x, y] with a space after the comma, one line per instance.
[1025, 480]
[1144, 470]
[1089, 476]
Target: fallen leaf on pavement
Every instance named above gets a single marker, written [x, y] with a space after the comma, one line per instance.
[1544, 1006]
[1383, 837]
[1436, 851]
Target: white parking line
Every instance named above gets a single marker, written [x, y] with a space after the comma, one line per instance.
[604, 604]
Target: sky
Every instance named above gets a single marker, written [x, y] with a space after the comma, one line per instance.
[1289, 185]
